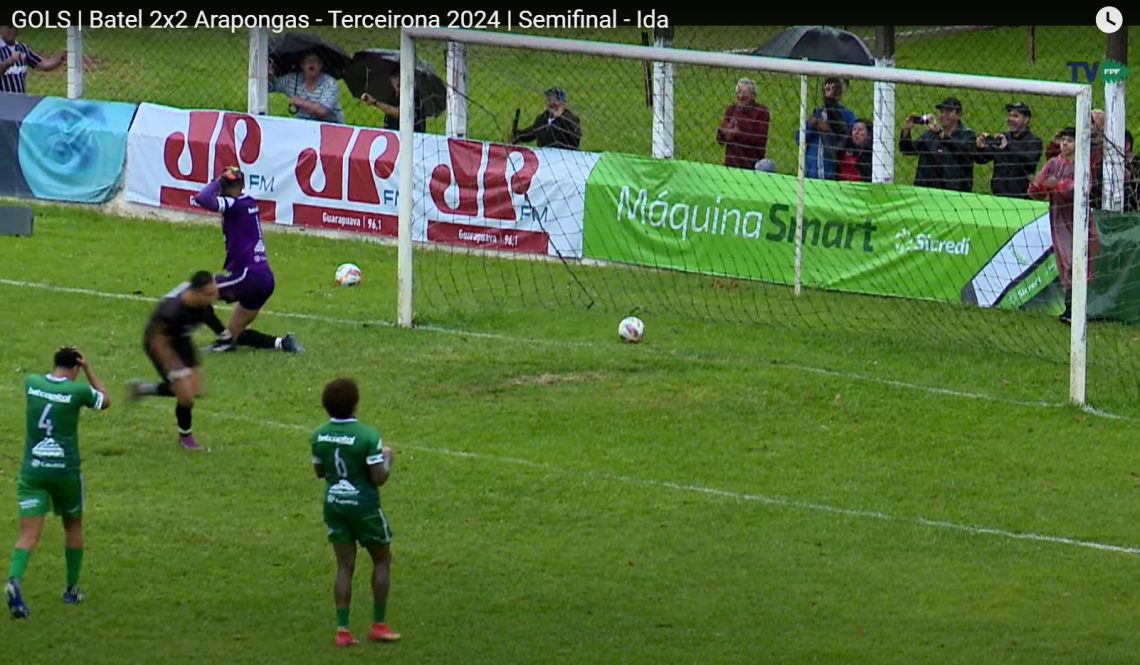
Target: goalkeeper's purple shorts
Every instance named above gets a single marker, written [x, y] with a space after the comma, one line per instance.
[250, 288]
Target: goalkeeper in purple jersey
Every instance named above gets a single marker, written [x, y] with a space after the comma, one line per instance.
[248, 280]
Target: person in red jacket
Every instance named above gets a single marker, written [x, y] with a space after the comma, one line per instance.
[744, 129]
[1055, 183]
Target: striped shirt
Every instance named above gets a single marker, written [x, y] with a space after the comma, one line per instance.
[326, 93]
[14, 79]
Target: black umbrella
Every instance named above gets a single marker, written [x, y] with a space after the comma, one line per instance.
[289, 49]
[820, 43]
[371, 72]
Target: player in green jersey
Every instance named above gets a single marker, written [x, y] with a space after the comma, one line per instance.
[354, 463]
[50, 477]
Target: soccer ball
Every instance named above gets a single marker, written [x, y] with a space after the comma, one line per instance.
[631, 329]
[348, 274]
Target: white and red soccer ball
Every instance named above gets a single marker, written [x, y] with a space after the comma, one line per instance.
[631, 329]
[348, 274]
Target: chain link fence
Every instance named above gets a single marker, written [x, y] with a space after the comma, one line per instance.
[613, 99]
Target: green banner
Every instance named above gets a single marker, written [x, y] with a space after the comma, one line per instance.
[890, 240]
[1114, 290]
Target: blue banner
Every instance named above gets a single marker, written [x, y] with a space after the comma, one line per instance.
[63, 149]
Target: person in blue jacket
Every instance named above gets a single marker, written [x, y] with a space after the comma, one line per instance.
[827, 130]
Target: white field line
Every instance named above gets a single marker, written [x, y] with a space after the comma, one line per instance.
[704, 490]
[737, 496]
[851, 376]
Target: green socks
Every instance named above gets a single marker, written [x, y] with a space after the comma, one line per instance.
[378, 612]
[19, 564]
[74, 564]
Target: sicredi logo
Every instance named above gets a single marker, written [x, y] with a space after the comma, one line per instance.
[906, 242]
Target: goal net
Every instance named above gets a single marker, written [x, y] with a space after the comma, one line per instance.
[890, 208]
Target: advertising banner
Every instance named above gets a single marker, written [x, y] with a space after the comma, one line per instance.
[345, 178]
[62, 149]
[890, 240]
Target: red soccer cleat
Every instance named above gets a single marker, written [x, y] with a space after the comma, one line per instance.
[345, 639]
[382, 633]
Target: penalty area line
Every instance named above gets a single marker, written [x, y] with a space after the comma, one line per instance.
[746, 497]
[382, 323]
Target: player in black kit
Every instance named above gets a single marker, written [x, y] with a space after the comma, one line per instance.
[167, 342]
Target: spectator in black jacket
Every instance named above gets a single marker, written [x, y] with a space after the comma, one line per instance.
[1015, 153]
[945, 150]
[556, 127]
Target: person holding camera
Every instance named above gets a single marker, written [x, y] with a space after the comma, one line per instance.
[827, 131]
[1015, 153]
[945, 150]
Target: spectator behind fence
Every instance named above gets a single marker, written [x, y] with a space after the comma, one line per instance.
[1055, 183]
[856, 153]
[1096, 151]
[16, 58]
[1096, 129]
[945, 150]
[1015, 153]
[744, 129]
[392, 111]
[827, 132]
[313, 94]
[556, 127]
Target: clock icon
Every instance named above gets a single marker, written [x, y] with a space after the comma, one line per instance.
[1109, 20]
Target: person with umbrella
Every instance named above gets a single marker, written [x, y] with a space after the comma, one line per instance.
[392, 111]
[313, 94]
[373, 77]
[827, 131]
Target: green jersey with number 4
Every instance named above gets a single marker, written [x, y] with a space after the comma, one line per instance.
[345, 448]
[52, 442]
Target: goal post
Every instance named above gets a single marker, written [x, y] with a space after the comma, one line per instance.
[1079, 95]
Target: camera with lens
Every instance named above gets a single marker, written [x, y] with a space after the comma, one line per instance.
[922, 119]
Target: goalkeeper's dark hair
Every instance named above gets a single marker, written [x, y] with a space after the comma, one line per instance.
[201, 279]
[340, 398]
[67, 357]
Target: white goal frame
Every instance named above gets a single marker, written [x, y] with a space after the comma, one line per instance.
[804, 68]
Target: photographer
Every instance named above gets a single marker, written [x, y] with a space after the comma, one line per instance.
[1015, 153]
[827, 131]
[945, 150]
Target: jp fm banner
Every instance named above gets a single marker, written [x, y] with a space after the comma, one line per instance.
[346, 178]
[62, 149]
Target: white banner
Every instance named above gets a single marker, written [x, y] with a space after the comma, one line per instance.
[346, 178]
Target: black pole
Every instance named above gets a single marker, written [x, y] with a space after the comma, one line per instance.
[1118, 45]
[1032, 44]
[885, 42]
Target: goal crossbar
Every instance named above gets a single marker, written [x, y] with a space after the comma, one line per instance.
[752, 62]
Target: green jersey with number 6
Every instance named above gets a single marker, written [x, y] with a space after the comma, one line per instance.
[345, 448]
[52, 443]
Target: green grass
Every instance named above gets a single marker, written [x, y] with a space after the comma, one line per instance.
[201, 68]
[561, 497]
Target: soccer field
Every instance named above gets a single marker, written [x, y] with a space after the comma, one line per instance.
[720, 493]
